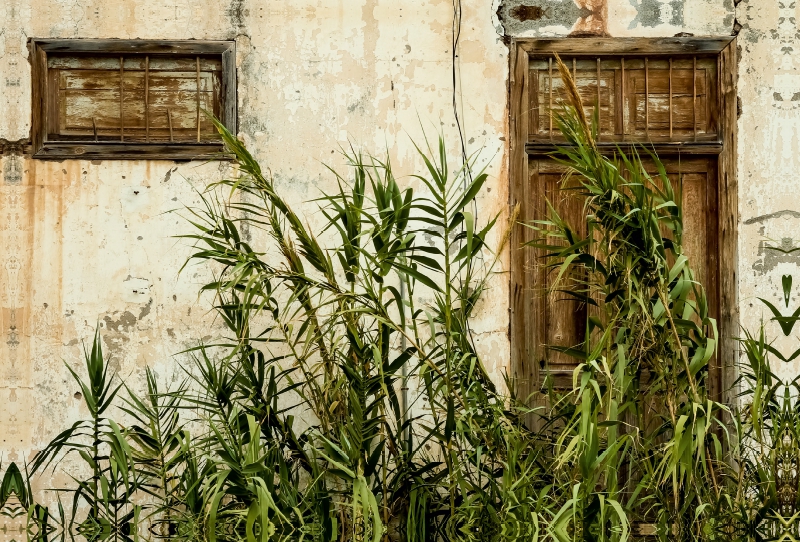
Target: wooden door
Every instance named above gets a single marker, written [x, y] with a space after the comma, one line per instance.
[557, 319]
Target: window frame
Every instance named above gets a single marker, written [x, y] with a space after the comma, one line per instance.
[524, 367]
[123, 150]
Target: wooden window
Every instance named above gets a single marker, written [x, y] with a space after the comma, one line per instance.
[671, 99]
[131, 99]
[675, 95]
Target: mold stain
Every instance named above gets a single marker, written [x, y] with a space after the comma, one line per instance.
[529, 13]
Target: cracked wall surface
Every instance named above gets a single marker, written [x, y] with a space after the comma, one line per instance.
[92, 242]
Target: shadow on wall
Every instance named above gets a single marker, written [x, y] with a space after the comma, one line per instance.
[582, 17]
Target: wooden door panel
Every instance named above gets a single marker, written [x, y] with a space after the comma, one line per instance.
[556, 319]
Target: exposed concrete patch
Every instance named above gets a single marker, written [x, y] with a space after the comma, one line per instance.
[545, 17]
[651, 13]
[524, 13]
[146, 309]
[525, 18]
[769, 259]
[124, 322]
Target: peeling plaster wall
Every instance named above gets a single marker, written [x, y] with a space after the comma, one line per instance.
[84, 242]
[769, 136]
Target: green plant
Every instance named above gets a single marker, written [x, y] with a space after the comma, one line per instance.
[348, 320]
[158, 447]
[332, 335]
[643, 440]
[765, 486]
[301, 425]
[102, 445]
[767, 490]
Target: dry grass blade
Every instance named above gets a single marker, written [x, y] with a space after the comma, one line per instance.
[574, 96]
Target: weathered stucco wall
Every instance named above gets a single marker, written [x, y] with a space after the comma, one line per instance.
[83, 242]
[769, 143]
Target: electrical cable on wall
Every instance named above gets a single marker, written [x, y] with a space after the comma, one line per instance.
[456, 39]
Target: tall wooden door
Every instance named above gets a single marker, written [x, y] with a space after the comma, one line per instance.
[677, 97]
[559, 319]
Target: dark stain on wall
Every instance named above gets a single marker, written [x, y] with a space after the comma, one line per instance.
[237, 13]
[528, 13]
[12, 169]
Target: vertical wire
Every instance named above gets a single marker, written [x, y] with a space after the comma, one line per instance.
[456, 73]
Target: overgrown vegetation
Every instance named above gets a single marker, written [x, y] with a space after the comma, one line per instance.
[643, 441]
[767, 503]
[349, 402]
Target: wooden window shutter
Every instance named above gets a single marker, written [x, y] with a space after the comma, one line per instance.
[131, 99]
[640, 99]
[673, 95]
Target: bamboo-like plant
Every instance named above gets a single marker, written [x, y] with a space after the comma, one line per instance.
[349, 322]
[764, 478]
[332, 335]
[159, 444]
[99, 441]
[642, 444]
